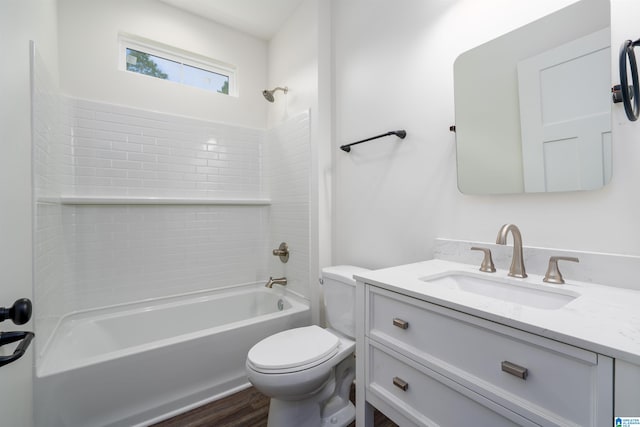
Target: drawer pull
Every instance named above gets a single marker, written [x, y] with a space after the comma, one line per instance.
[400, 383]
[516, 370]
[402, 324]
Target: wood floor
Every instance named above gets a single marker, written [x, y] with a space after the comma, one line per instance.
[248, 408]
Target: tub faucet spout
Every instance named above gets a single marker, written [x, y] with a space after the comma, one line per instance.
[517, 260]
[279, 281]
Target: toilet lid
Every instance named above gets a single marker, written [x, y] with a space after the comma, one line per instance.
[293, 348]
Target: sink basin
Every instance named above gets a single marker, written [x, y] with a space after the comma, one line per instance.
[504, 290]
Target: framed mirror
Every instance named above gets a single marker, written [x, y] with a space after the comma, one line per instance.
[533, 107]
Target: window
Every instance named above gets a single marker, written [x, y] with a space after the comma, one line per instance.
[172, 64]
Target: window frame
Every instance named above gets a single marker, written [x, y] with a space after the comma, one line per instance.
[190, 59]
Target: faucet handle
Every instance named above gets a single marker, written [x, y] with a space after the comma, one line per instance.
[487, 262]
[282, 251]
[553, 274]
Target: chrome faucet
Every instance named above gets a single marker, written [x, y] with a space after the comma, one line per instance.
[279, 281]
[517, 260]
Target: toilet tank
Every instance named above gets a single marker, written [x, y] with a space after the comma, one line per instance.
[339, 297]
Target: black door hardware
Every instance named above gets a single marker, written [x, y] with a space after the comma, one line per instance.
[19, 313]
[9, 337]
[624, 92]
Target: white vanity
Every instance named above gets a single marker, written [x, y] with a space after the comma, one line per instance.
[443, 344]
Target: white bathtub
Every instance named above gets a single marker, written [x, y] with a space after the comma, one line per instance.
[140, 363]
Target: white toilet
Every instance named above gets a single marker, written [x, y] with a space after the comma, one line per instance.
[307, 372]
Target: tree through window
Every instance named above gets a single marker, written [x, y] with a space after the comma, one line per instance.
[140, 62]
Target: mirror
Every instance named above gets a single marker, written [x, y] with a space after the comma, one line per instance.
[533, 107]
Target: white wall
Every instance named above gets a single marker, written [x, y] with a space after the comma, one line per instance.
[20, 21]
[394, 69]
[89, 59]
[293, 62]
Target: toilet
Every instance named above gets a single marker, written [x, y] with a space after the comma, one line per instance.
[307, 372]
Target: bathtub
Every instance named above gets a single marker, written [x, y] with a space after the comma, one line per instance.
[140, 363]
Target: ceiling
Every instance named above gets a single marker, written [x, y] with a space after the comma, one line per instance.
[260, 18]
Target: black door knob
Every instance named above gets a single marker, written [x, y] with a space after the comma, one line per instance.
[19, 312]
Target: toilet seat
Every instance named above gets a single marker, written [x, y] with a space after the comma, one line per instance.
[293, 350]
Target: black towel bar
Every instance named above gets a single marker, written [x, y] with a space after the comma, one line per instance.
[399, 133]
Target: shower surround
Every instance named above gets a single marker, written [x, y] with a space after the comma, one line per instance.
[134, 205]
[151, 205]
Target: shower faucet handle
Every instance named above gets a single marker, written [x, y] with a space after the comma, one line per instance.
[487, 262]
[282, 252]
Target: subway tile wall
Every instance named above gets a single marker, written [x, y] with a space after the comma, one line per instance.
[118, 254]
[48, 275]
[113, 254]
[287, 169]
[120, 151]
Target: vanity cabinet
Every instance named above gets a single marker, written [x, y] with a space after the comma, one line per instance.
[427, 365]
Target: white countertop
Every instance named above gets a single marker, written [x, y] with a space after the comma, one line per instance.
[603, 319]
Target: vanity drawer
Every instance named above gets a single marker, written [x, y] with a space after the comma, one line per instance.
[427, 398]
[564, 385]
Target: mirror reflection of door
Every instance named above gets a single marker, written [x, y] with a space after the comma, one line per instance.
[565, 116]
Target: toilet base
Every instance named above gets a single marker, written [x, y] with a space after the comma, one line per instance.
[330, 407]
[341, 418]
[287, 413]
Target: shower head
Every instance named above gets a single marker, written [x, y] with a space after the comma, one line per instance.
[268, 94]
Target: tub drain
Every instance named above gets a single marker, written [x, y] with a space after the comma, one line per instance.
[280, 305]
